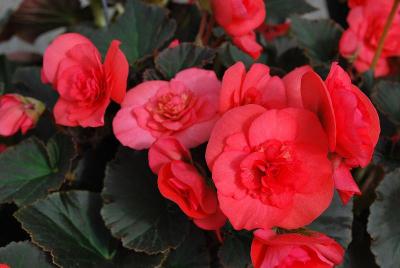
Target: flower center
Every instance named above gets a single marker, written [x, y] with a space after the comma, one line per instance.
[172, 105]
[264, 170]
[87, 87]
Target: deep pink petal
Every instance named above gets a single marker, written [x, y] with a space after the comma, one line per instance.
[56, 51]
[116, 68]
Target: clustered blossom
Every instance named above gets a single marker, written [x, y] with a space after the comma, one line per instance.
[367, 19]
[277, 148]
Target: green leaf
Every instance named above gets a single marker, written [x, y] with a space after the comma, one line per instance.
[135, 211]
[386, 96]
[69, 226]
[142, 29]
[172, 60]
[383, 222]
[279, 10]
[235, 251]
[336, 221]
[229, 54]
[30, 170]
[318, 38]
[28, 83]
[24, 255]
[193, 252]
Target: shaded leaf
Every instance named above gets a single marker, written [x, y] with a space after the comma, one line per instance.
[386, 97]
[193, 252]
[29, 84]
[279, 10]
[30, 170]
[142, 29]
[6, 10]
[24, 255]
[336, 221]
[135, 211]
[318, 38]
[235, 251]
[69, 226]
[229, 54]
[383, 222]
[172, 60]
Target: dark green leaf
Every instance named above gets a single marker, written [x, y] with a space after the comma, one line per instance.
[30, 170]
[336, 221]
[386, 96]
[235, 251]
[187, 18]
[151, 74]
[69, 226]
[135, 211]
[29, 84]
[279, 10]
[383, 222]
[318, 38]
[24, 255]
[172, 60]
[142, 29]
[229, 54]
[193, 252]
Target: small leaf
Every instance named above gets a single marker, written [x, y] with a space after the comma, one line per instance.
[69, 226]
[235, 251]
[336, 221]
[318, 38]
[135, 211]
[386, 96]
[142, 29]
[193, 252]
[383, 222]
[229, 54]
[24, 255]
[30, 170]
[279, 10]
[29, 84]
[172, 60]
[7, 9]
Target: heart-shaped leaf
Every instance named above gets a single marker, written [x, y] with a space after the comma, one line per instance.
[383, 222]
[172, 60]
[24, 255]
[318, 38]
[69, 226]
[30, 170]
[135, 211]
[142, 29]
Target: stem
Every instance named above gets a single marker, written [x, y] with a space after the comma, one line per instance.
[385, 32]
[99, 12]
[202, 28]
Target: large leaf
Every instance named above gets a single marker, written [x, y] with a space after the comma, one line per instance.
[235, 251]
[336, 221]
[172, 60]
[24, 255]
[318, 38]
[142, 29]
[30, 170]
[386, 96]
[193, 252]
[383, 222]
[279, 10]
[135, 211]
[69, 226]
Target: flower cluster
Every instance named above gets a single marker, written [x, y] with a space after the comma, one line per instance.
[360, 41]
[273, 149]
